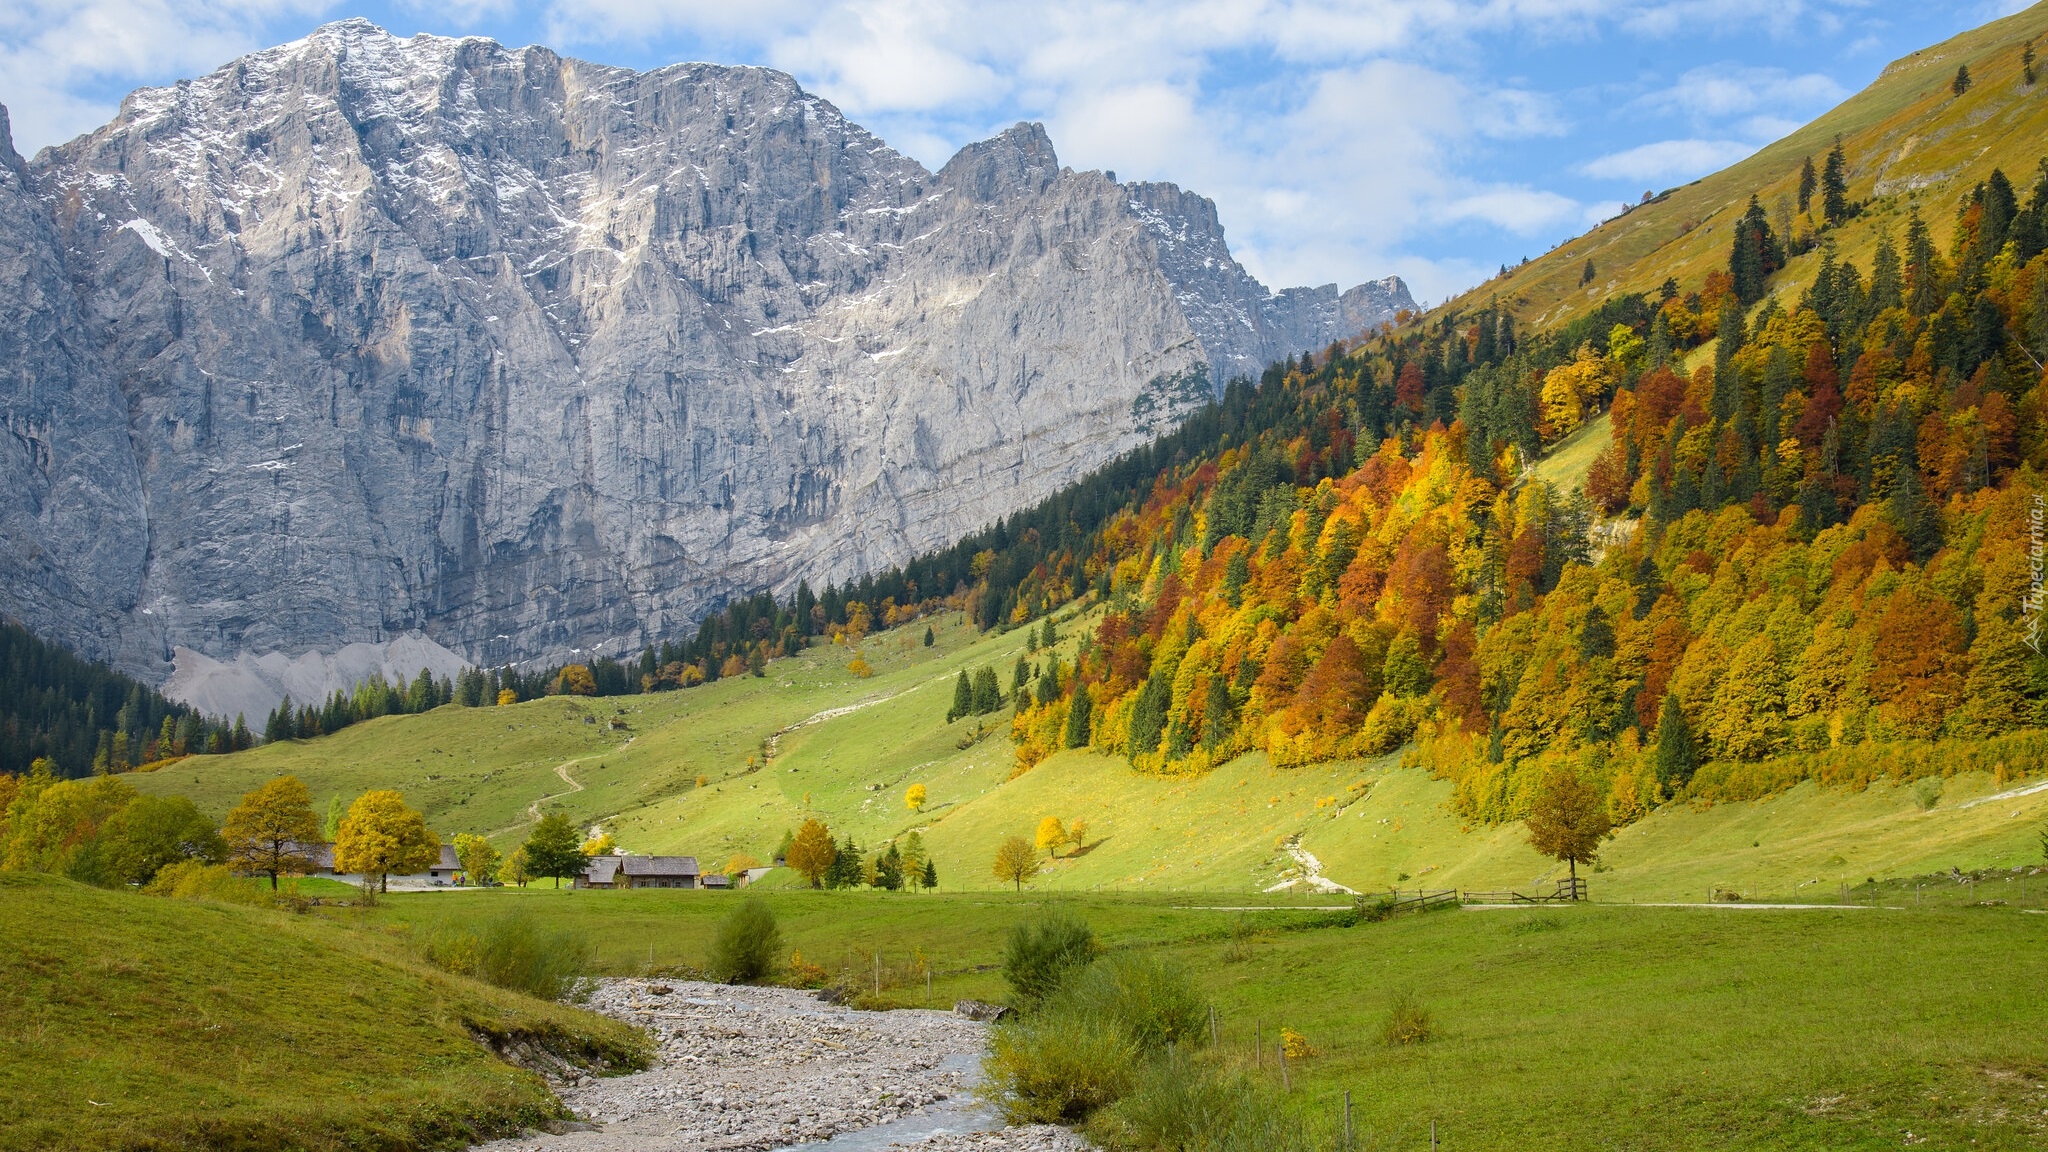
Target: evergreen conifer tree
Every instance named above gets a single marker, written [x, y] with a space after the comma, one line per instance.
[1675, 756]
[963, 698]
[987, 694]
[1808, 182]
[1834, 186]
[1077, 734]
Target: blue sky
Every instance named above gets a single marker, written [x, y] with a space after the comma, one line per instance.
[1435, 139]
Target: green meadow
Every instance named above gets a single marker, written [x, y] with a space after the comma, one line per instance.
[1555, 1027]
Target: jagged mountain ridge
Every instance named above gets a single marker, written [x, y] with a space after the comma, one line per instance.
[362, 336]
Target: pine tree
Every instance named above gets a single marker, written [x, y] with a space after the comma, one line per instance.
[1923, 271]
[1808, 181]
[1586, 276]
[1219, 721]
[1961, 83]
[930, 879]
[1077, 733]
[987, 692]
[963, 698]
[1834, 186]
[889, 870]
[2027, 64]
[1675, 757]
[1148, 716]
[1916, 517]
[1887, 285]
[929, 638]
[1047, 637]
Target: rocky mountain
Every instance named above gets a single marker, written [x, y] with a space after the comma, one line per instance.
[364, 338]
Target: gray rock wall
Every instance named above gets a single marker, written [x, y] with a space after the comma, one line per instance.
[360, 337]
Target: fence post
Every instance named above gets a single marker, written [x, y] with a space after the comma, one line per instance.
[878, 973]
[1432, 1136]
[1213, 1040]
[927, 985]
[1258, 1048]
[1347, 1117]
[1285, 1084]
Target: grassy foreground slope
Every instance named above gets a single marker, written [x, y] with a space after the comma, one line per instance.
[136, 1022]
[1908, 140]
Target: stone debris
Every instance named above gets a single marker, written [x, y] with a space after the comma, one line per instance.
[742, 1069]
[981, 1010]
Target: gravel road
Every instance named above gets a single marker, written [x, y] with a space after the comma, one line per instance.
[751, 1069]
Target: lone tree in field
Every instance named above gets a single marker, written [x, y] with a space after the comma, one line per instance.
[914, 797]
[1016, 861]
[812, 852]
[930, 879]
[1568, 821]
[380, 835]
[554, 849]
[269, 831]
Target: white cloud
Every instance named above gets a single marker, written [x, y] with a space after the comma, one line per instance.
[1522, 211]
[1336, 136]
[1668, 159]
[1721, 90]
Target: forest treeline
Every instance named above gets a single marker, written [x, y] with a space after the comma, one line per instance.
[85, 717]
[1821, 537]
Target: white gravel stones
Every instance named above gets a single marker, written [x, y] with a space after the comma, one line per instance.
[744, 1069]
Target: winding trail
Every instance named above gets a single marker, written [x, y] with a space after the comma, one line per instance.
[775, 737]
[562, 770]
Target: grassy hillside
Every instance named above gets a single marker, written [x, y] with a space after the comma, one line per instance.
[129, 1021]
[1908, 141]
[846, 748]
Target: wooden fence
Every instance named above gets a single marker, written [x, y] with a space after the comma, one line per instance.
[1567, 891]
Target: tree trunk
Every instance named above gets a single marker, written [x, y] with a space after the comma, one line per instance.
[383, 882]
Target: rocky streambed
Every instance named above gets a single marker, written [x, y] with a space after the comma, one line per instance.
[752, 1069]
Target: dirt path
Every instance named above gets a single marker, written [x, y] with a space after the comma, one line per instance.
[562, 770]
[748, 1069]
[775, 737]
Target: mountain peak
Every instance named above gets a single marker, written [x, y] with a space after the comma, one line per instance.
[1019, 158]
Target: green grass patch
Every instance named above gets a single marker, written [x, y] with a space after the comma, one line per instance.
[129, 1021]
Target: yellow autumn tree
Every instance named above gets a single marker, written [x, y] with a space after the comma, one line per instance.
[914, 797]
[1051, 835]
[507, 696]
[601, 844]
[812, 852]
[1016, 861]
[1567, 390]
[272, 830]
[379, 836]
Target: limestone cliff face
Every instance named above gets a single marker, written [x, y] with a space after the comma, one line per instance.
[360, 337]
